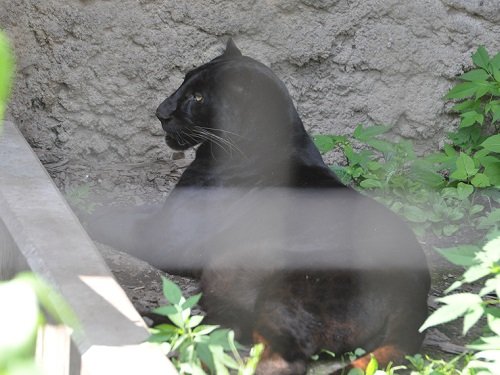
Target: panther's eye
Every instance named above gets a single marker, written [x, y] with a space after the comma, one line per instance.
[198, 97]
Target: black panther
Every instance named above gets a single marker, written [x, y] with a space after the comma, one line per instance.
[287, 255]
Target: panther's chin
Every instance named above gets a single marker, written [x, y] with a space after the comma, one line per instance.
[175, 144]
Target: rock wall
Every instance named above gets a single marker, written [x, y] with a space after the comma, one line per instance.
[91, 73]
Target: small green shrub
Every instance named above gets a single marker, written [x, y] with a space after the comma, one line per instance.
[79, 198]
[445, 190]
[425, 365]
[411, 186]
[479, 108]
[6, 73]
[195, 348]
[483, 358]
[483, 265]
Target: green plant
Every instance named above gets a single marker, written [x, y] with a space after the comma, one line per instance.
[483, 265]
[195, 348]
[380, 164]
[480, 103]
[392, 173]
[444, 190]
[473, 156]
[6, 73]
[425, 365]
[33, 300]
[78, 198]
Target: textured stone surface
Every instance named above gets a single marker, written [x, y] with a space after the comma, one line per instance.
[91, 73]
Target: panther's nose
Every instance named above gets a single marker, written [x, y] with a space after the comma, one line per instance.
[162, 116]
[166, 109]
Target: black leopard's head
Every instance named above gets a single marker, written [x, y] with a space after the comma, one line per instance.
[233, 101]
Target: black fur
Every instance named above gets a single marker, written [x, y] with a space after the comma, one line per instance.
[285, 252]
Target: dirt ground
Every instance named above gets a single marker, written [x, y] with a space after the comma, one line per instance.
[86, 186]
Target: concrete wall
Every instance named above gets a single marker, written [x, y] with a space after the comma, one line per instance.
[91, 73]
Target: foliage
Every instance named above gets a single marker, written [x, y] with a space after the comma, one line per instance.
[425, 365]
[195, 348]
[6, 73]
[484, 356]
[413, 187]
[479, 107]
[484, 266]
[79, 199]
[443, 190]
[17, 341]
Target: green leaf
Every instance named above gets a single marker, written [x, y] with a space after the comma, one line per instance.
[191, 368]
[492, 219]
[422, 172]
[372, 366]
[492, 342]
[220, 338]
[483, 89]
[494, 109]
[414, 214]
[195, 320]
[464, 190]
[465, 167]
[363, 134]
[492, 143]
[380, 145]
[442, 315]
[475, 75]
[252, 362]
[160, 337]
[205, 329]
[481, 154]
[462, 255]
[171, 291]
[205, 355]
[222, 360]
[492, 250]
[324, 143]
[496, 73]
[471, 317]
[495, 63]
[450, 229]
[456, 306]
[191, 301]
[470, 118]
[449, 150]
[181, 340]
[493, 318]
[359, 352]
[175, 318]
[475, 273]
[475, 209]
[166, 310]
[466, 106]
[480, 180]
[167, 328]
[462, 90]
[6, 73]
[173, 312]
[455, 285]
[492, 170]
[481, 58]
[355, 371]
[370, 184]
[374, 165]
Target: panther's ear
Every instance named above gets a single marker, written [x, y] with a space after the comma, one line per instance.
[231, 49]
